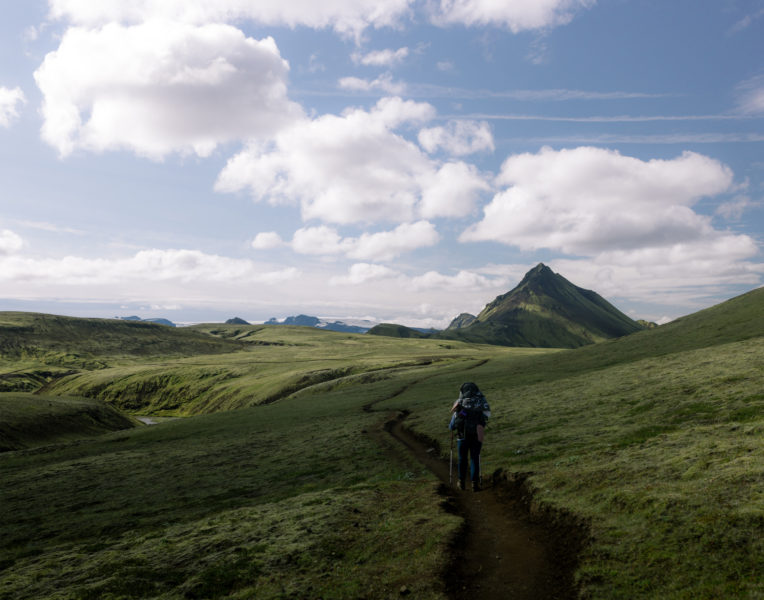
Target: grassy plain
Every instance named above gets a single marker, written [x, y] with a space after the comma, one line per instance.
[654, 439]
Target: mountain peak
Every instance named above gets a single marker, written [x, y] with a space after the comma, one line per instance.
[545, 309]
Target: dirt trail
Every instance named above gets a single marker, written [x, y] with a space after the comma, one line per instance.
[504, 552]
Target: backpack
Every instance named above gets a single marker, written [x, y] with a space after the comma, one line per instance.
[469, 416]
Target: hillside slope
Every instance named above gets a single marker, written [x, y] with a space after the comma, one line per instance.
[735, 320]
[34, 333]
[28, 421]
[546, 310]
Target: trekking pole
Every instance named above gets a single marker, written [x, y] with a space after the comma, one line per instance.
[451, 462]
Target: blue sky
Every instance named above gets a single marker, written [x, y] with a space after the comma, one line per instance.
[398, 160]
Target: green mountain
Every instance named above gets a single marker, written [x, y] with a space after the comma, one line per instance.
[462, 321]
[545, 310]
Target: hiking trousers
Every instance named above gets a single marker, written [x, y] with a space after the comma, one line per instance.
[469, 446]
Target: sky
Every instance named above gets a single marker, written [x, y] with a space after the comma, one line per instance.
[393, 160]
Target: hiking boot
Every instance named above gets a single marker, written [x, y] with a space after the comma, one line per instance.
[461, 484]
[475, 486]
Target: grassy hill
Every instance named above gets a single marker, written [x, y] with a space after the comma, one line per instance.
[27, 420]
[36, 349]
[653, 439]
[36, 334]
[278, 361]
[397, 331]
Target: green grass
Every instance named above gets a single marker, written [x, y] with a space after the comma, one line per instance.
[276, 362]
[662, 456]
[653, 439]
[28, 420]
[291, 499]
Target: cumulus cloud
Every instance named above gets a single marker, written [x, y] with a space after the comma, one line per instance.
[516, 15]
[590, 200]
[458, 138]
[267, 240]
[381, 58]
[352, 168]
[10, 242]
[387, 245]
[452, 191]
[382, 83]
[162, 87]
[381, 246]
[10, 101]
[347, 17]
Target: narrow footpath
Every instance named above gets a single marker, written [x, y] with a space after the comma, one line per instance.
[503, 552]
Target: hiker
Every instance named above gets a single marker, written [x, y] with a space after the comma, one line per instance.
[469, 415]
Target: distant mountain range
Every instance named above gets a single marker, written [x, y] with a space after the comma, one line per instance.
[154, 320]
[545, 310]
[307, 321]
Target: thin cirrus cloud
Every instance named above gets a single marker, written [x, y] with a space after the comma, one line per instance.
[11, 100]
[355, 168]
[161, 87]
[751, 96]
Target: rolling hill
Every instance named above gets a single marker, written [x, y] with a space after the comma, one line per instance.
[650, 442]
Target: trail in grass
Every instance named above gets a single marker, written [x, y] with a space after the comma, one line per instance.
[501, 553]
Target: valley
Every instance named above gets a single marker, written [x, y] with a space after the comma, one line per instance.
[641, 455]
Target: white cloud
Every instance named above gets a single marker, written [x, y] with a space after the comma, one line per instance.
[381, 246]
[590, 200]
[751, 96]
[463, 280]
[734, 209]
[361, 273]
[320, 240]
[516, 15]
[347, 17]
[162, 87]
[682, 275]
[185, 266]
[387, 245]
[452, 191]
[381, 58]
[352, 168]
[267, 240]
[10, 242]
[10, 100]
[382, 83]
[458, 138]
